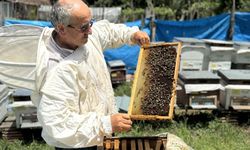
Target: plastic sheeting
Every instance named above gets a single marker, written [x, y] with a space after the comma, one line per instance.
[208, 28]
[28, 22]
[215, 27]
[18, 48]
[4, 93]
[241, 27]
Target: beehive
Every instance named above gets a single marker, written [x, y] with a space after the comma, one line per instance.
[154, 88]
[135, 143]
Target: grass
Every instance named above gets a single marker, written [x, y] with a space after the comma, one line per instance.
[20, 145]
[123, 89]
[201, 131]
[212, 135]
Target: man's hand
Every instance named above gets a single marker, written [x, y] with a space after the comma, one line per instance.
[140, 38]
[120, 122]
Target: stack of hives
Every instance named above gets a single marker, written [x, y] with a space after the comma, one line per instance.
[154, 87]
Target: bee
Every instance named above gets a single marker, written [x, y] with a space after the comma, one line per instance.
[159, 78]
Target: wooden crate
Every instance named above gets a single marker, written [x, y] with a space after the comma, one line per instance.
[135, 143]
[143, 75]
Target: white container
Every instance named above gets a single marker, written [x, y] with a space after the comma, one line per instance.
[236, 97]
[221, 53]
[200, 90]
[242, 54]
[18, 51]
[194, 54]
[237, 89]
[219, 65]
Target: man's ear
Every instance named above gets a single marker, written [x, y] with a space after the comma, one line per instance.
[61, 29]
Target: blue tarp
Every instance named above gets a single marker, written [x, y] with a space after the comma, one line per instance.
[215, 27]
[242, 27]
[28, 22]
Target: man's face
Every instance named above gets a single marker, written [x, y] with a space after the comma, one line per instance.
[77, 33]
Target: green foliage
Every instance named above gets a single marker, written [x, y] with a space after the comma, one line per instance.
[164, 13]
[130, 14]
[244, 5]
[20, 145]
[202, 9]
[123, 89]
[32, 13]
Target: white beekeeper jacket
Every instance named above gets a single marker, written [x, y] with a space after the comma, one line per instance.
[75, 97]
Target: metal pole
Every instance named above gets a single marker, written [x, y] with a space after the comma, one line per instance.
[152, 19]
[1, 15]
[232, 22]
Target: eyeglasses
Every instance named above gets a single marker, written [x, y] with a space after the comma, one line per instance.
[85, 27]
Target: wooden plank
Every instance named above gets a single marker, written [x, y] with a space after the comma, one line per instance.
[177, 64]
[124, 144]
[108, 144]
[137, 93]
[164, 142]
[116, 144]
[10, 119]
[133, 144]
[158, 145]
[140, 145]
[7, 125]
[31, 125]
[147, 145]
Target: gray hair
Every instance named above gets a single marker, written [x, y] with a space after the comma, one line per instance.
[61, 14]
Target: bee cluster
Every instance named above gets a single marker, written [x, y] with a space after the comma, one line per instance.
[159, 77]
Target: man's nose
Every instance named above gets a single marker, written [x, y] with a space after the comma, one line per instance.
[90, 30]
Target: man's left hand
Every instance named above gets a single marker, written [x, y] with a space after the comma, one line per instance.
[140, 38]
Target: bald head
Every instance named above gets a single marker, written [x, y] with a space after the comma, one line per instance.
[66, 12]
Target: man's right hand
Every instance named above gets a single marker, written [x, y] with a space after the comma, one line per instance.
[120, 122]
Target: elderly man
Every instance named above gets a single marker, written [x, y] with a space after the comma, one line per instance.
[75, 98]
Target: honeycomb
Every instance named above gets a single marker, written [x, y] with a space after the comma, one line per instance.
[159, 73]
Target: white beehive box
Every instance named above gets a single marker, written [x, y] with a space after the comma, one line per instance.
[200, 90]
[221, 53]
[194, 55]
[241, 57]
[237, 89]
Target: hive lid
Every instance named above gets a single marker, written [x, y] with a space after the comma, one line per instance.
[240, 75]
[240, 107]
[221, 48]
[183, 39]
[193, 88]
[212, 41]
[21, 92]
[197, 75]
[188, 40]
[116, 63]
[242, 43]
[203, 106]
